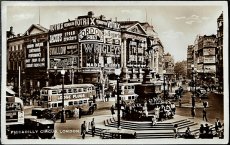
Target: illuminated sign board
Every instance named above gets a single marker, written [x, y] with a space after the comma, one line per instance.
[64, 50]
[101, 48]
[61, 62]
[112, 37]
[66, 36]
[108, 24]
[91, 34]
[85, 21]
[35, 53]
[209, 51]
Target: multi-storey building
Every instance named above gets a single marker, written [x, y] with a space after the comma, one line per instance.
[219, 58]
[26, 57]
[206, 61]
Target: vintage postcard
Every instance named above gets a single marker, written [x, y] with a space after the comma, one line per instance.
[115, 72]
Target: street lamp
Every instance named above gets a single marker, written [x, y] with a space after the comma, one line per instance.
[63, 110]
[164, 71]
[194, 85]
[55, 74]
[72, 68]
[117, 73]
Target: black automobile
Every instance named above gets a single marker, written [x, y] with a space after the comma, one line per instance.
[43, 113]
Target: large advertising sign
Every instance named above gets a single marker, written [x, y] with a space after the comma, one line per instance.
[106, 49]
[209, 68]
[91, 34]
[61, 62]
[209, 59]
[66, 36]
[35, 53]
[209, 42]
[209, 51]
[70, 49]
[112, 37]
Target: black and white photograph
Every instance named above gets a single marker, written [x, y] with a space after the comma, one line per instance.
[114, 72]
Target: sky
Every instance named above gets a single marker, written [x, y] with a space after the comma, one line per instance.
[176, 24]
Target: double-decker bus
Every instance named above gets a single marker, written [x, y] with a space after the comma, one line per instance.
[14, 108]
[127, 92]
[75, 95]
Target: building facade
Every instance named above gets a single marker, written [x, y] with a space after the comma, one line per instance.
[219, 58]
[89, 49]
[169, 66]
[206, 62]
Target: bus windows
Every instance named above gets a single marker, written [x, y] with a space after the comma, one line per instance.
[74, 90]
[70, 103]
[85, 89]
[76, 103]
[129, 97]
[54, 92]
[133, 97]
[80, 102]
[69, 91]
[54, 105]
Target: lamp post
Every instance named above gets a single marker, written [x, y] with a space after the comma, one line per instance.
[164, 71]
[72, 70]
[117, 73]
[194, 85]
[55, 74]
[63, 109]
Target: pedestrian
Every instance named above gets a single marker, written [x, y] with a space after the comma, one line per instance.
[175, 130]
[206, 129]
[173, 108]
[93, 129]
[76, 112]
[154, 120]
[179, 102]
[217, 125]
[162, 112]
[156, 112]
[112, 110]
[80, 112]
[201, 129]
[83, 130]
[193, 112]
[205, 114]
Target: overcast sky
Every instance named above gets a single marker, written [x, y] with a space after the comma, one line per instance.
[177, 25]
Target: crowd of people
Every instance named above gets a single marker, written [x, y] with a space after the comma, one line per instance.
[152, 109]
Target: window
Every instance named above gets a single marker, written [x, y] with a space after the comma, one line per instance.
[80, 102]
[129, 97]
[70, 103]
[85, 89]
[75, 90]
[85, 101]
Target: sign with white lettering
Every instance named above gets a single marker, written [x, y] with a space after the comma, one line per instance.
[209, 51]
[61, 62]
[85, 21]
[108, 24]
[101, 48]
[112, 37]
[63, 37]
[64, 50]
[35, 53]
[91, 34]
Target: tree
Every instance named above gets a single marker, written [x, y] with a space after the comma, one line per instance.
[180, 69]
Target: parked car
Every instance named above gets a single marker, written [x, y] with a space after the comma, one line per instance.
[43, 113]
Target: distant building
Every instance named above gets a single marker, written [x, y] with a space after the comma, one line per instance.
[169, 66]
[219, 58]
